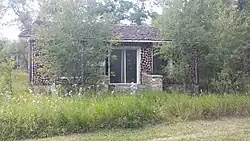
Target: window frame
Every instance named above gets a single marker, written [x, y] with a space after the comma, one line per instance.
[138, 63]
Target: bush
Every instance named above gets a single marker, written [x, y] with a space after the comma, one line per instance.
[6, 72]
[29, 116]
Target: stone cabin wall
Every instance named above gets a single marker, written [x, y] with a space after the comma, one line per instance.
[152, 82]
[42, 78]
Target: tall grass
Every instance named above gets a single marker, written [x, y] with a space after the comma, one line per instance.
[23, 115]
[30, 116]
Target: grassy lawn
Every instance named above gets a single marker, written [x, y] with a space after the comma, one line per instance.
[230, 129]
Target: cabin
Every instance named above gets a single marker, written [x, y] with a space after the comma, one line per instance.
[135, 60]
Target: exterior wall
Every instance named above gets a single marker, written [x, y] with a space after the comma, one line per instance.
[152, 82]
[146, 64]
[38, 77]
[146, 56]
[147, 59]
[127, 87]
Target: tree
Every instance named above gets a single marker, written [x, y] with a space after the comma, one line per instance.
[73, 44]
[122, 10]
[3, 9]
[188, 24]
[234, 42]
[25, 12]
[209, 43]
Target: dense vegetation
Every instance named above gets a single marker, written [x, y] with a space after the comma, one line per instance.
[34, 116]
[210, 43]
[209, 48]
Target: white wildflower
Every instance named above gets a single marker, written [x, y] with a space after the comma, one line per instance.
[134, 88]
[70, 93]
[53, 88]
[80, 91]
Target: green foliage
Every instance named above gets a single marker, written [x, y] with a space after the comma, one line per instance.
[34, 116]
[75, 45]
[6, 73]
[26, 116]
[20, 81]
[121, 10]
[6, 68]
[210, 43]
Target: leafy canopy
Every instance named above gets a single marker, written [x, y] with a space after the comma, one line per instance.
[73, 43]
[210, 41]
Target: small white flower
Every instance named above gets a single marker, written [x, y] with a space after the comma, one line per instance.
[70, 93]
[80, 91]
[30, 91]
[53, 88]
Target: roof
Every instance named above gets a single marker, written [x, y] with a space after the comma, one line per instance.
[135, 32]
[25, 33]
[125, 32]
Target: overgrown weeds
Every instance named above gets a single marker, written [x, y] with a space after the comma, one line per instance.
[35, 116]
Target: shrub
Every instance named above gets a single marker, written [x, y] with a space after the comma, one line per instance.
[6, 72]
[34, 116]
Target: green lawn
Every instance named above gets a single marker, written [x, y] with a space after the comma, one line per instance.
[230, 129]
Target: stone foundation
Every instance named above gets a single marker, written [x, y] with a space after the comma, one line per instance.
[152, 82]
[126, 88]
